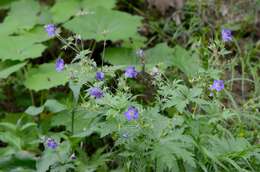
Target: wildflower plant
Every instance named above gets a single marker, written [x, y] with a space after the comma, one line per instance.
[120, 118]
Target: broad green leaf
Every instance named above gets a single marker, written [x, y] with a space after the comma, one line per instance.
[15, 48]
[12, 139]
[161, 53]
[22, 15]
[84, 122]
[88, 5]
[33, 111]
[45, 16]
[54, 106]
[45, 77]
[64, 9]
[49, 158]
[186, 62]
[105, 24]
[21, 160]
[35, 35]
[8, 67]
[5, 3]
[23, 46]
[121, 56]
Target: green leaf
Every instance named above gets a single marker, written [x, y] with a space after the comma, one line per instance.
[5, 3]
[21, 160]
[121, 56]
[26, 11]
[105, 24]
[54, 106]
[8, 67]
[11, 139]
[161, 53]
[88, 5]
[23, 46]
[49, 158]
[33, 111]
[75, 88]
[64, 9]
[45, 77]
[83, 121]
[186, 62]
[14, 48]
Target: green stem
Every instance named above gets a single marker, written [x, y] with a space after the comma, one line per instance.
[73, 117]
[66, 43]
[103, 55]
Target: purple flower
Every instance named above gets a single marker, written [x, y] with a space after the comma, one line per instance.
[226, 35]
[51, 143]
[130, 72]
[50, 29]
[217, 85]
[96, 92]
[100, 76]
[131, 113]
[140, 53]
[59, 64]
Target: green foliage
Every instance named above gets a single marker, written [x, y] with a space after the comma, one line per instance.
[114, 56]
[105, 24]
[55, 158]
[45, 77]
[24, 46]
[27, 10]
[70, 6]
[9, 67]
[161, 55]
[187, 62]
[182, 125]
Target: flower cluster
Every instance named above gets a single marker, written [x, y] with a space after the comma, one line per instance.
[132, 113]
[226, 35]
[100, 76]
[51, 143]
[51, 30]
[59, 64]
[217, 85]
[130, 72]
[96, 92]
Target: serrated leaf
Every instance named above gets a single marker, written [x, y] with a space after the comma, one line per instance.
[21, 160]
[64, 9]
[121, 56]
[33, 111]
[105, 24]
[83, 121]
[15, 48]
[90, 4]
[161, 53]
[26, 10]
[186, 62]
[54, 106]
[49, 158]
[11, 139]
[8, 67]
[45, 77]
